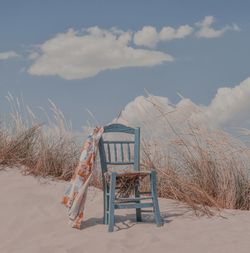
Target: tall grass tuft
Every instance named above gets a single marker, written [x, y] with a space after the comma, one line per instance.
[43, 150]
[200, 166]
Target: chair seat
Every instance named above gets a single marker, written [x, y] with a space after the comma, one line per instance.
[127, 175]
[133, 174]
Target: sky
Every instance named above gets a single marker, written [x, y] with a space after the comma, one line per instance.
[101, 55]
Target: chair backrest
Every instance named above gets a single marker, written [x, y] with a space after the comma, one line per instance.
[112, 152]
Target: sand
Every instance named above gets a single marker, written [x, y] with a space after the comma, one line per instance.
[32, 220]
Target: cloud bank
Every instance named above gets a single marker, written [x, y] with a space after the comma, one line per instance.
[229, 107]
[207, 31]
[149, 37]
[82, 54]
[8, 55]
[71, 55]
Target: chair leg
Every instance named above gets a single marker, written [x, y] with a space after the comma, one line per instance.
[138, 215]
[111, 214]
[138, 210]
[157, 215]
[105, 204]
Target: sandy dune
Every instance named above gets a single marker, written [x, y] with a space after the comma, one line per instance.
[33, 220]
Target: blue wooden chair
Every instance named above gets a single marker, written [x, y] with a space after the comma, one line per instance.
[111, 201]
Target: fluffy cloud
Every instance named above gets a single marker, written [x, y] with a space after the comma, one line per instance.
[78, 55]
[72, 55]
[148, 35]
[147, 112]
[168, 33]
[207, 31]
[229, 107]
[7, 55]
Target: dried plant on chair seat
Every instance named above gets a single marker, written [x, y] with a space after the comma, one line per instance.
[126, 182]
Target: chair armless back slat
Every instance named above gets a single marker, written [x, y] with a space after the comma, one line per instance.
[115, 152]
[118, 152]
[129, 154]
[122, 153]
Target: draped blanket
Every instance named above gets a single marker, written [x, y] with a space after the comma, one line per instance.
[75, 195]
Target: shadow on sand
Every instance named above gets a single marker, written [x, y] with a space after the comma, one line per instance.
[129, 220]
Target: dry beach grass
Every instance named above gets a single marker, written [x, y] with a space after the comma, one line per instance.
[203, 168]
[43, 150]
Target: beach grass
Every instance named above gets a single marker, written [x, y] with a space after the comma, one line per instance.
[201, 167]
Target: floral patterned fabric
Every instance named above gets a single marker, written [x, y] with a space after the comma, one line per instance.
[76, 192]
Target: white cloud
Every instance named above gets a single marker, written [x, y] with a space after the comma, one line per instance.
[229, 107]
[147, 112]
[8, 55]
[148, 35]
[33, 55]
[207, 31]
[77, 55]
[72, 55]
[165, 126]
[168, 33]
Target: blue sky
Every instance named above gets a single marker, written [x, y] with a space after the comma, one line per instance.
[202, 61]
